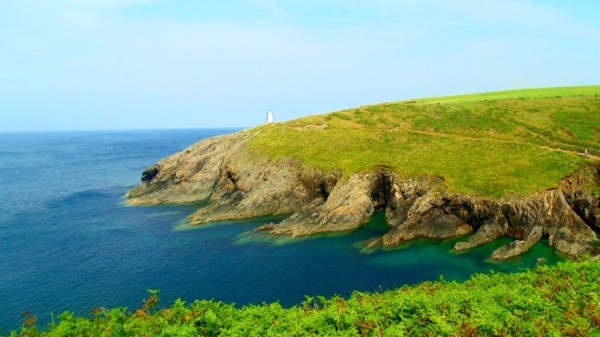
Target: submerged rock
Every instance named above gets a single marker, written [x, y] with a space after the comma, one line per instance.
[519, 247]
[239, 185]
[492, 229]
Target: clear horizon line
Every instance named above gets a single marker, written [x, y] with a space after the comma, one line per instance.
[125, 129]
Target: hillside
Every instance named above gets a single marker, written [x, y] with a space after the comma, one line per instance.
[493, 144]
[547, 301]
[494, 164]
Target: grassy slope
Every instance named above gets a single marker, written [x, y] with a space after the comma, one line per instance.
[492, 144]
[563, 300]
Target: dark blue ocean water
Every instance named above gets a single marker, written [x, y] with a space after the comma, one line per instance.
[68, 242]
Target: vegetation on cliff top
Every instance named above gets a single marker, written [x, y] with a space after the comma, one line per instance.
[563, 300]
[493, 144]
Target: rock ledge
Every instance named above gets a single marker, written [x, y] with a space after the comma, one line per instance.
[237, 186]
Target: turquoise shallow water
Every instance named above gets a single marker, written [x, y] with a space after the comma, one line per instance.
[68, 242]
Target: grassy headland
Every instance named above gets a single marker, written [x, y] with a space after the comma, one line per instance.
[563, 300]
[492, 144]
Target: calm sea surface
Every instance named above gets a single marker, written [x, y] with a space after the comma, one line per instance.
[68, 241]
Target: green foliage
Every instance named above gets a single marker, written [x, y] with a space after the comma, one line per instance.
[493, 144]
[562, 300]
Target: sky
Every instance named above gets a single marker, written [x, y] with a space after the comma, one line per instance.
[157, 64]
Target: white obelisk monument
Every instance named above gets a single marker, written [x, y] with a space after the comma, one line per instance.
[270, 118]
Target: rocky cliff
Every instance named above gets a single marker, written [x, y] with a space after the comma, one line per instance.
[239, 185]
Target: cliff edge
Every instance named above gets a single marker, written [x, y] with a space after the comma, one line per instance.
[330, 173]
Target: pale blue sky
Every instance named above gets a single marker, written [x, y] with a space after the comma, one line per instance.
[135, 64]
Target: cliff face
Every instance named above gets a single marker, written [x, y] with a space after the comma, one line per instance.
[218, 169]
[238, 186]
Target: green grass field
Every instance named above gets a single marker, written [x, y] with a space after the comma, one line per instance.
[492, 144]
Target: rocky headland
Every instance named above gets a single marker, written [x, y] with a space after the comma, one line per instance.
[239, 184]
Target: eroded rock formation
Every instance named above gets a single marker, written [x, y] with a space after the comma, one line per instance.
[239, 185]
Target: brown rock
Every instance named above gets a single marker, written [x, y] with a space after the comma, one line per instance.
[518, 247]
[426, 219]
[491, 230]
[348, 207]
[239, 185]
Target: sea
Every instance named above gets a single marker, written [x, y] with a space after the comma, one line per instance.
[70, 242]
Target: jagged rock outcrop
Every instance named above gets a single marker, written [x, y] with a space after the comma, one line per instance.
[221, 170]
[494, 228]
[518, 247]
[239, 185]
[188, 176]
[245, 190]
[349, 206]
[546, 215]
[420, 215]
